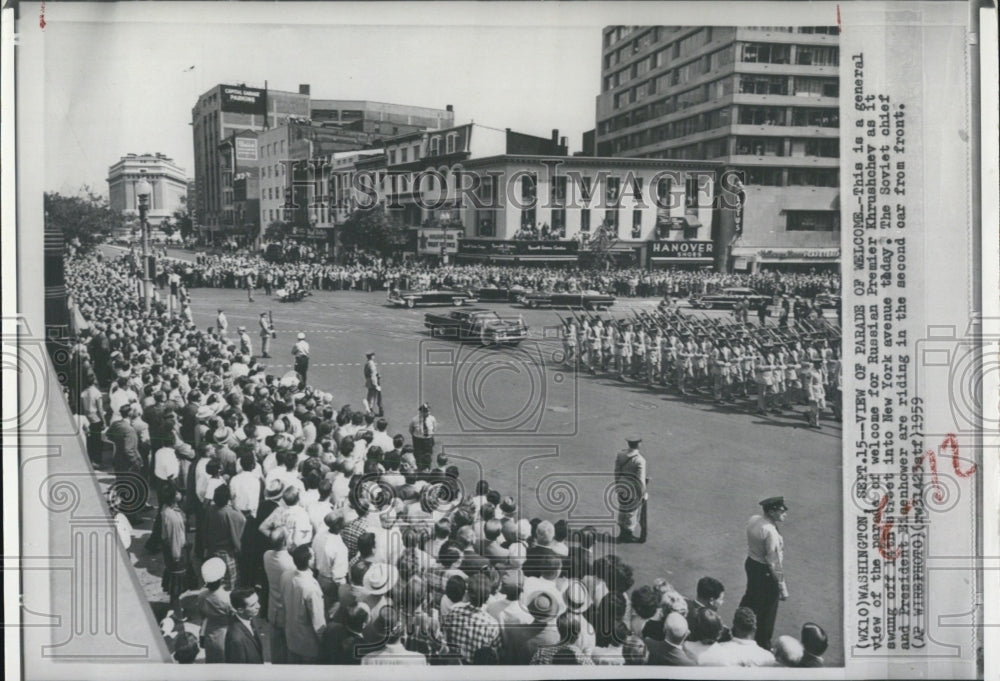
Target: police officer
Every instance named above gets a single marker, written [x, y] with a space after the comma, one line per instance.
[221, 323]
[630, 481]
[765, 567]
[300, 351]
[422, 429]
[266, 334]
[373, 383]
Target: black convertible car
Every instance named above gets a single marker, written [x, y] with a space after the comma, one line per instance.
[589, 300]
[435, 297]
[728, 297]
[477, 324]
[501, 294]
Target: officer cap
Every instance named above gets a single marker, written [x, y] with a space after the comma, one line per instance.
[369, 355]
[301, 336]
[774, 503]
[633, 441]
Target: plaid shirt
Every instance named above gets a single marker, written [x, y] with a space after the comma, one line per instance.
[468, 629]
[353, 531]
[545, 654]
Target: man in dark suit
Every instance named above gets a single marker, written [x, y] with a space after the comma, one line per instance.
[243, 641]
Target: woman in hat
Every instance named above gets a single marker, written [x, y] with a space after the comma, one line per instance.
[215, 610]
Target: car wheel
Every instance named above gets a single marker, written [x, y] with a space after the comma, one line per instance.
[410, 302]
[457, 302]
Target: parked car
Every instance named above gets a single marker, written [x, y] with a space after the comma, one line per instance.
[477, 324]
[590, 300]
[728, 297]
[501, 294]
[445, 296]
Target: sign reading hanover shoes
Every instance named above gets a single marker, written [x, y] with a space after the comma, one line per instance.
[246, 149]
[515, 247]
[245, 100]
[429, 241]
[681, 249]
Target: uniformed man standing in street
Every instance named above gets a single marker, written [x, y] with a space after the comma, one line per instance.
[373, 382]
[266, 334]
[300, 351]
[630, 481]
[221, 323]
[765, 567]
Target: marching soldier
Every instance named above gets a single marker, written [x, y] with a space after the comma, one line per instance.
[639, 354]
[623, 351]
[701, 364]
[765, 367]
[373, 383]
[300, 351]
[608, 346]
[569, 342]
[630, 481]
[817, 394]
[251, 284]
[684, 366]
[722, 378]
[266, 334]
[654, 357]
[596, 341]
[585, 336]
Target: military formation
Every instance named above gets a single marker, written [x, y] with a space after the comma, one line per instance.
[778, 367]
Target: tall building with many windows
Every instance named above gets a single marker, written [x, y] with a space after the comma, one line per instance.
[763, 101]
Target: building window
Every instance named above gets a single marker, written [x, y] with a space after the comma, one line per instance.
[637, 224]
[663, 188]
[392, 157]
[768, 177]
[585, 220]
[812, 221]
[612, 191]
[691, 192]
[435, 146]
[558, 190]
[812, 177]
[817, 87]
[763, 85]
[558, 222]
[529, 194]
[486, 223]
[826, 148]
[765, 53]
[760, 146]
[416, 152]
[451, 143]
[611, 220]
[403, 155]
[528, 218]
[762, 115]
[821, 118]
[812, 55]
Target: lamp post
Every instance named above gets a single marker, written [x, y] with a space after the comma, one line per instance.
[142, 191]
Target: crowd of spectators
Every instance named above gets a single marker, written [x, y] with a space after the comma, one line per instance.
[232, 271]
[313, 535]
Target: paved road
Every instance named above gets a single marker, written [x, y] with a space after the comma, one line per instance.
[538, 431]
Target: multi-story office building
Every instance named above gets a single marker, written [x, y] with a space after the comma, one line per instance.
[168, 181]
[220, 113]
[328, 125]
[762, 101]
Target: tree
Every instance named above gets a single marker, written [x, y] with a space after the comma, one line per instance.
[277, 231]
[87, 217]
[373, 230]
[600, 247]
[181, 219]
[167, 227]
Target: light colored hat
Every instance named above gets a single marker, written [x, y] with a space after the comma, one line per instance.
[300, 336]
[213, 569]
[222, 435]
[577, 597]
[204, 413]
[274, 489]
[543, 603]
[380, 578]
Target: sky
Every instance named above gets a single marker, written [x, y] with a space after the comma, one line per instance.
[114, 87]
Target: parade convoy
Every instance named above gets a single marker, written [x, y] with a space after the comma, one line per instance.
[444, 296]
[587, 300]
[728, 297]
[477, 324]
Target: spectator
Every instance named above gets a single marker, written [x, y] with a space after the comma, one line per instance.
[788, 651]
[243, 642]
[814, 644]
[670, 651]
[742, 650]
[468, 627]
[389, 629]
[302, 604]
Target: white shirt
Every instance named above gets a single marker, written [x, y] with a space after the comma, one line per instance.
[331, 556]
[245, 487]
[165, 463]
[739, 652]
[383, 440]
[420, 424]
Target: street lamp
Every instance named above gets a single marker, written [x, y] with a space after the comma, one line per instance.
[142, 192]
